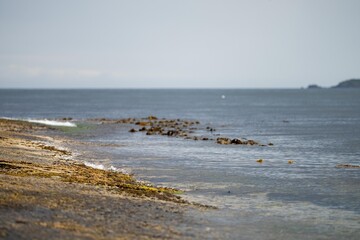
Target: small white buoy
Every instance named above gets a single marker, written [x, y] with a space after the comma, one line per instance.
[223, 97]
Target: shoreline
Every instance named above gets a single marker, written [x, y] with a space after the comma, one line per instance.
[45, 194]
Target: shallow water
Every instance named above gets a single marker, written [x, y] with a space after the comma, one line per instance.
[318, 129]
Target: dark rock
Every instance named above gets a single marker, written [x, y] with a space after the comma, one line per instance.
[172, 133]
[271, 144]
[210, 129]
[132, 130]
[142, 129]
[236, 141]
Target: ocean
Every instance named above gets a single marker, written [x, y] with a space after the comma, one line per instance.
[316, 129]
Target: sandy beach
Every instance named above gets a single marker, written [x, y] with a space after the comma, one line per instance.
[45, 193]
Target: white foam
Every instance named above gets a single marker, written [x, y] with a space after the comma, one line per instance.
[44, 121]
[112, 168]
[96, 166]
[52, 122]
[102, 167]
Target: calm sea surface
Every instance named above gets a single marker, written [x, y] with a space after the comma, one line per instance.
[318, 129]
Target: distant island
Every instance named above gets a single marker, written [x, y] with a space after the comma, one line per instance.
[351, 83]
[313, 86]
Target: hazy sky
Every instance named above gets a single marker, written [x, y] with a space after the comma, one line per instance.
[167, 44]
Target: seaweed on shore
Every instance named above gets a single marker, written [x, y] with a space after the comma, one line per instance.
[79, 173]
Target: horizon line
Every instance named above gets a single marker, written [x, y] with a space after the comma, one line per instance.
[158, 88]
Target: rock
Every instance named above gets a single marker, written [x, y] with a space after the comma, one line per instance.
[132, 130]
[251, 142]
[260, 160]
[271, 144]
[291, 161]
[210, 129]
[143, 123]
[236, 141]
[172, 133]
[222, 140]
[347, 166]
[152, 117]
[205, 139]
[156, 129]
[142, 129]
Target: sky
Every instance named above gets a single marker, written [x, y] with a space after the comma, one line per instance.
[178, 44]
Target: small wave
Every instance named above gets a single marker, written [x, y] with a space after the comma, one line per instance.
[96, 166]
[102, 167]
[45, 122]
[52, 122]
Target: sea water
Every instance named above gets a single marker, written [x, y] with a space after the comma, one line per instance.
[315, 129]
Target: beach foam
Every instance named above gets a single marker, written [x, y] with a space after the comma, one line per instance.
[45, 122]
[96, 166]
[52, 122]
[102, 167]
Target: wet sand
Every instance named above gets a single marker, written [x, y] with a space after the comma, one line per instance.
[45, 193]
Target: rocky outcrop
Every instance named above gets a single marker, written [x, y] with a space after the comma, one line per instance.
[180, 128]
[347, 166]
[223, 140]
[236, 141]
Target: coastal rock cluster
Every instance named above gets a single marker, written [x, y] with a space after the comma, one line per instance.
[186, 129]
[237, 141]
[347, 166]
